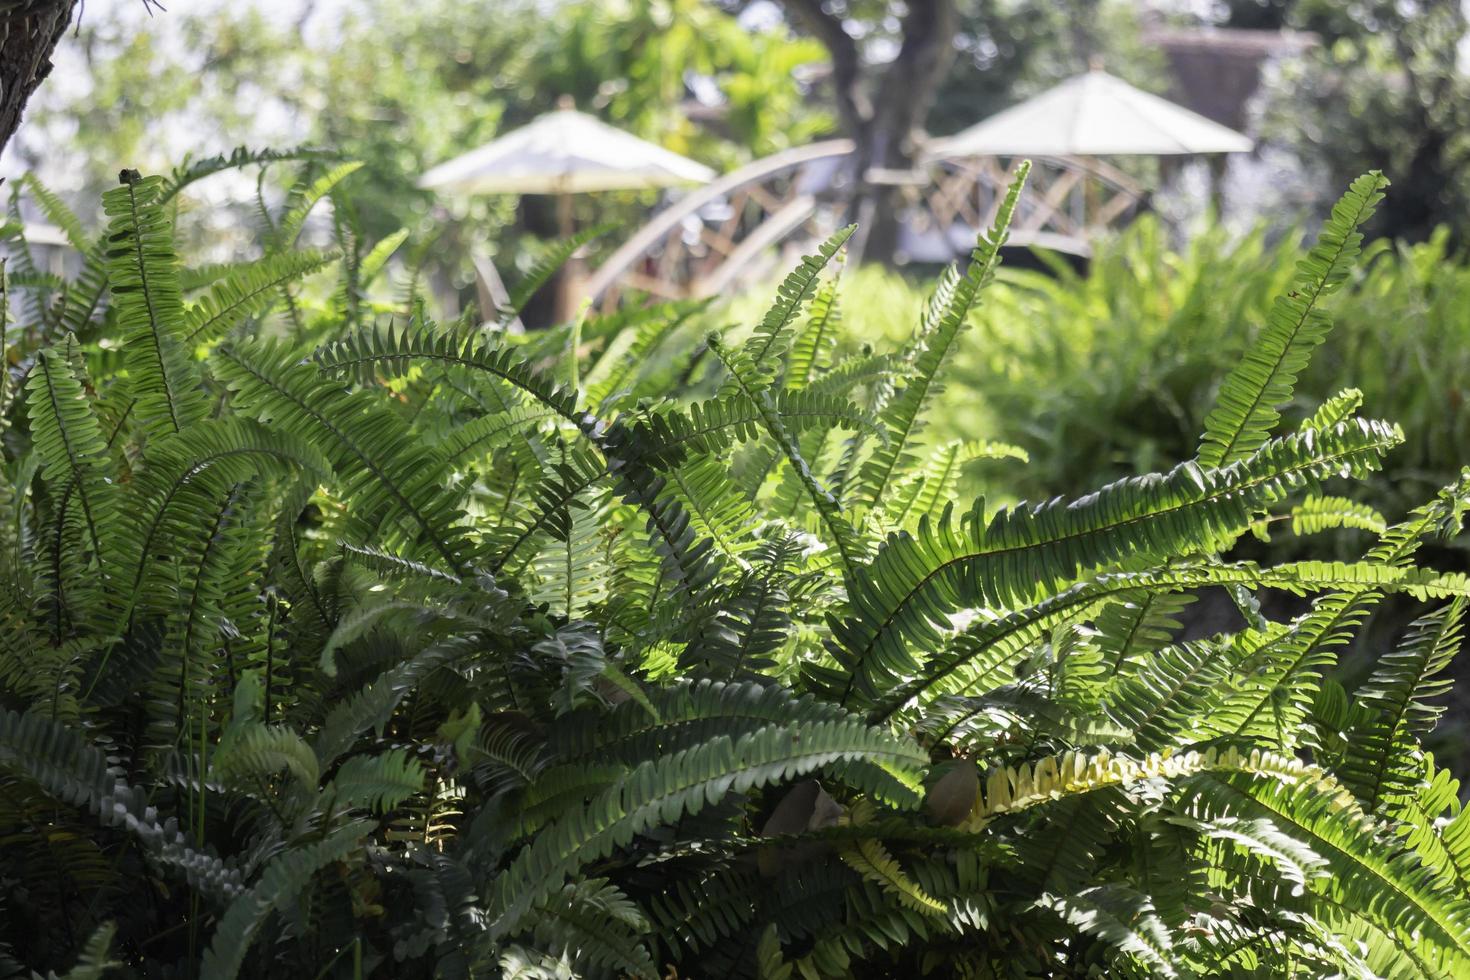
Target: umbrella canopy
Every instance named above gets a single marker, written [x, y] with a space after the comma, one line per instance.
[565, 152]
[1093, 114]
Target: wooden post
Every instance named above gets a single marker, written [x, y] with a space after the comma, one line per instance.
[574, 273]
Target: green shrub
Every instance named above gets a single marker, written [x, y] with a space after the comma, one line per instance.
[387, 649]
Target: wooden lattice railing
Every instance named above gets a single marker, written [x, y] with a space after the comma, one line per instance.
[746, 223]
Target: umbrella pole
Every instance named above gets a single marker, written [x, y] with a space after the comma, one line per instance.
[564, 221]
[570, 286]
[1089, 191]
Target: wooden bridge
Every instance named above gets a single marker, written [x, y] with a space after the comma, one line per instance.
[750, 222]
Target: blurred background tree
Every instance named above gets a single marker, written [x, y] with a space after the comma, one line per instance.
[1008, 50]
[886, 61]
[404, 85]
[1385, 88]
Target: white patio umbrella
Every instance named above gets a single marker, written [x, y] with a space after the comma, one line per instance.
[563, 153]
[1093, 114]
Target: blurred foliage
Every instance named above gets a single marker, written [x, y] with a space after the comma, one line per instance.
[404, 85]
[1385, 85]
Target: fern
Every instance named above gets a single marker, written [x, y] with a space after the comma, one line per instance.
[1249, 397]
[1381, 756]
[369, 448]
[379, 649]
[143, 271]
[754, 365]
[903, 416]
[869, 859]
[915, 580]
[1317, 514]
[813, 343]
[546, 267]
[192, 171]
[281, 880]
[304, 200]
[1123, 919]
[68, 440]
[245, 292]
[684, 783]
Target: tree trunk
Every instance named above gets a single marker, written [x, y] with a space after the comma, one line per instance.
[29, 32]
[883, 112]
[901, 104]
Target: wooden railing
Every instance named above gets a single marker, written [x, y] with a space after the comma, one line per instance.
[748, 223]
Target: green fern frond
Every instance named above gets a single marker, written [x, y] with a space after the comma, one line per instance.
[372, 263]
[666, 437]
[284, 877]
[1161, 701]
[56, 211]
[1122, 918]
[715, 507]
[635, 336]
[870, 859]
[378, 782]
[172, 502]
[396, 566]
[388, 474]
[659, 791]
[1295, 659]
[903, 597]
[470, 443]
[984, 655]
[68, 438]
[75, 773]
[1338, 408]
[191, 172]
[903, 416]
[924, 491]
[685, 716]
[1247, 407]
[754, 621]
[818, 336]
[551, 508]
[758, 361]
[304, 201]
[1369, 876]
[250, 755]
[144, 276]
[596, 927]
[1317, 514]
[753, 386]
[873, 371]
[571, 573]
[545, 267]
[1132, 628]
[369, 354]
[1380, 758]
[247, 291]
[1432, 822]
[372, 706]
[95, 961]
[446, 916]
